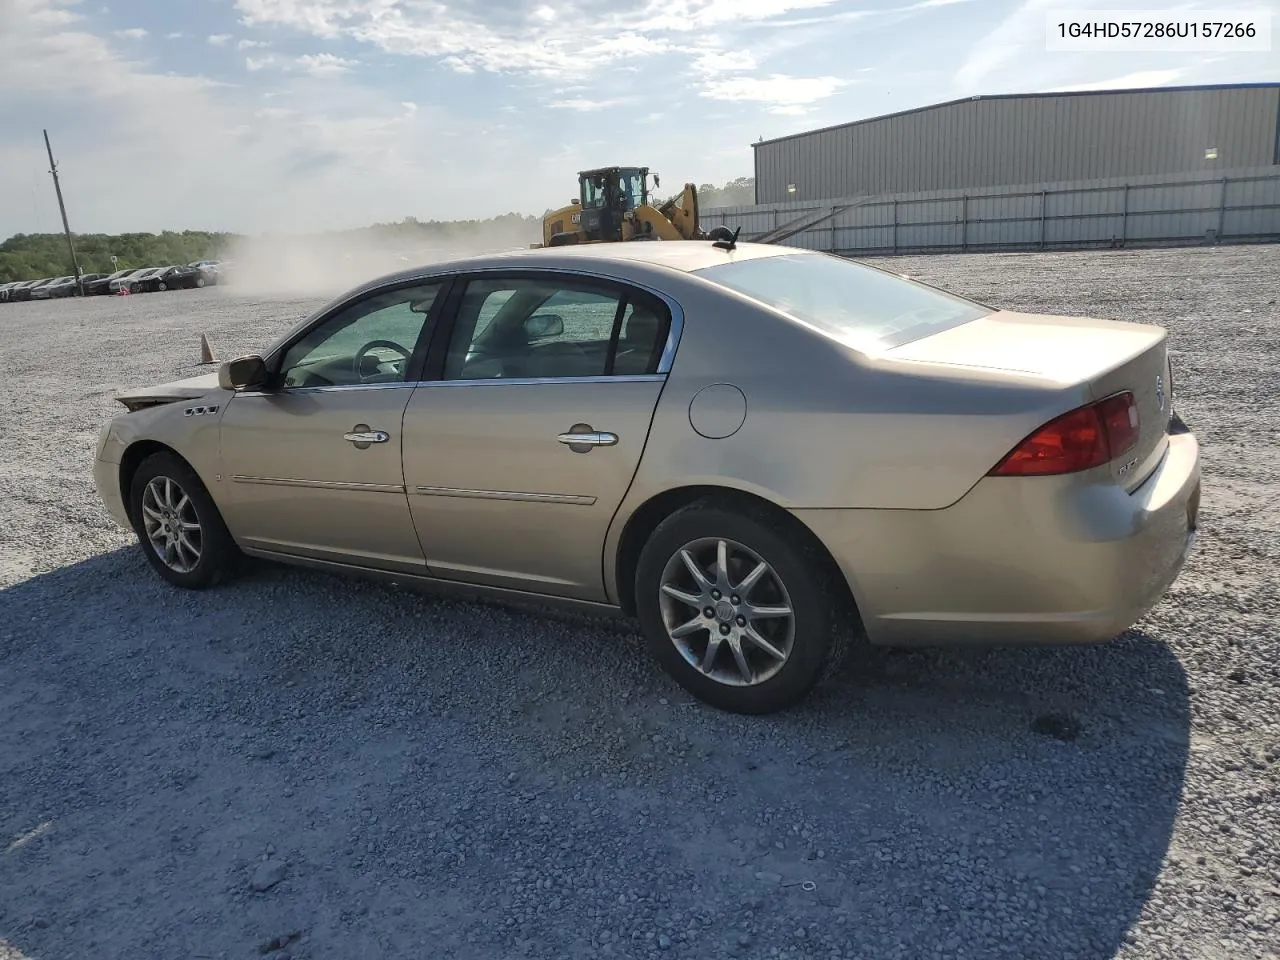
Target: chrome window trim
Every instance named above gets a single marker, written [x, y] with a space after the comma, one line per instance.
[533, 381]
[483, 382]
[456, 272]
[291, 391]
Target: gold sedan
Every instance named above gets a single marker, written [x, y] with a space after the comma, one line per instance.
[764, 454]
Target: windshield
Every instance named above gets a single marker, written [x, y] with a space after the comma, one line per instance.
[861, 306]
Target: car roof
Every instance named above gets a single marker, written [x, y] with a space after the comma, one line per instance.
[682, 255]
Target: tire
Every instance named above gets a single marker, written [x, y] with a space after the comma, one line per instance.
[798, 577]
[218, 555]
[162, 286]
[200, 281]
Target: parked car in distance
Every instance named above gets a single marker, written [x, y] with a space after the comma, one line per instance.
[764, 454]
[163, 278]
[124, 283]
[67, 286]
[207, 272]
[102, 283]
[5, 288]
[183, 277]
[25, 291]
[133, 281]
[45, 290]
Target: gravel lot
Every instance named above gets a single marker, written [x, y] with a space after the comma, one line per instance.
[412, 777]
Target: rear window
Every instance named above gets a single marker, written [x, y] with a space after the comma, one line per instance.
[861, 306]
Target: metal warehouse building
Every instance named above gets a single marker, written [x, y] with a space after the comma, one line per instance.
[1023, 139]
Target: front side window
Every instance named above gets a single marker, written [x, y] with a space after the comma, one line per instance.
[371, 341]
[560, 328]
[865, 308]
[593, 192]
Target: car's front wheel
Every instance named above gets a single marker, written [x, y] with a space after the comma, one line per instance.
[741, 610]
[179, 527]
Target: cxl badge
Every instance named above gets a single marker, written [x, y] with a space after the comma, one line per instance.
[1159, 392]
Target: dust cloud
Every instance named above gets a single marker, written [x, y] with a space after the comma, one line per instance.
[301, 265]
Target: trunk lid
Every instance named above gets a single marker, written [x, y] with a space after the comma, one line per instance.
[1102, 356]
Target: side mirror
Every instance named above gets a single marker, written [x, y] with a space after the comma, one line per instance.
[656, 181]
[542, 325]
[243, 372]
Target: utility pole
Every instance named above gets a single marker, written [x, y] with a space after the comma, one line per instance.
[53, 169]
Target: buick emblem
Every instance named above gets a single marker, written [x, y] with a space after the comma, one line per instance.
[1159, 392]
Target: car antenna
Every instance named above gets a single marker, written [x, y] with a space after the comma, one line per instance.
[731, 242]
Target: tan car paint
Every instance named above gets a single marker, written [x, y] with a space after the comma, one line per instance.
[498, 499]
[292, 483]
[883, 455]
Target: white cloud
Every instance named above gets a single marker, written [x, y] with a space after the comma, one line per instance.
[589, 104]
[219, 39]
[324, 64]
[252, 44]
[322, 155]
[781, 93]
[133, 33]
[311, 64]
[1143, 78]
[568, 40]
[176, 35]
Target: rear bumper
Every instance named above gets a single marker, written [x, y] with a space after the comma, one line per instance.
[1020, 560]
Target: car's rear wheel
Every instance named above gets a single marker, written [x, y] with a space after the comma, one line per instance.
[740, 610]
[180, 529]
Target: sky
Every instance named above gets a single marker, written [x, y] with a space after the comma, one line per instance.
[299, 115]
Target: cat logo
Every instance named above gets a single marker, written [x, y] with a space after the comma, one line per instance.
[575, 217]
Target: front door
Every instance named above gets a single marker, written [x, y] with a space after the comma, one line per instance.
[517, 457]
[312, 466]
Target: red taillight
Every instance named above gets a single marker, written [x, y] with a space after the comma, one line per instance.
[1079, 440]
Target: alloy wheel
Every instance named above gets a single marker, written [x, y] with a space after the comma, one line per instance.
[727, 611]
[171, 524]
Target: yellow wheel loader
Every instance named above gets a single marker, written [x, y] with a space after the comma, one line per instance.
[613, 206]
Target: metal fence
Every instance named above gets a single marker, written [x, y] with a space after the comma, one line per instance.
[1240, 206]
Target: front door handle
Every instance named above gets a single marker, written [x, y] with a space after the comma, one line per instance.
[362, 435]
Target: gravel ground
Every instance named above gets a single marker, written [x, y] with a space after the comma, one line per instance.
[301, 765]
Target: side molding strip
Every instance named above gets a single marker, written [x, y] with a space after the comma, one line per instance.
[580, 501]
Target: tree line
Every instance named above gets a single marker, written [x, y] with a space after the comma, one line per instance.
[31, 256]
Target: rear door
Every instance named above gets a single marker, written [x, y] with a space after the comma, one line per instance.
[526, 437]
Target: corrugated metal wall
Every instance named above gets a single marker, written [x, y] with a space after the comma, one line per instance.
[987, 142]
[1231, 206]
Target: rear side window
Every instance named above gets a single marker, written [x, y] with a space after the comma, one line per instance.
[554, 328]
[865, 308]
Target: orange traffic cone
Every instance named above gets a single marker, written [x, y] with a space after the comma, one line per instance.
[206, 351]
